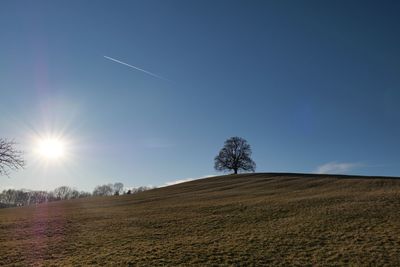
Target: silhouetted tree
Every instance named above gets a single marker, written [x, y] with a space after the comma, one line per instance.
[235, 156]
[118, 188]
[63, 192]
[10, 157]
[13, 197]
[74, 193]
[103, 190]
[9, 196]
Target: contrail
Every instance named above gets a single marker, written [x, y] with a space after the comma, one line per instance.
[136, 68]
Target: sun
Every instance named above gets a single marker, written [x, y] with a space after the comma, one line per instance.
[51, 148]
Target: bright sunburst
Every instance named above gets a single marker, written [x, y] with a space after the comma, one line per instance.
[51, 148]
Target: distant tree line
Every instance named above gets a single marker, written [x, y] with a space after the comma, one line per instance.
[14, 198]
[117, 189]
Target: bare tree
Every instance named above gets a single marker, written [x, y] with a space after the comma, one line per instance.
[118, 188]
[235, 156]
[63, 192]
[9, 196]
[13, 197]
[74, 193]
[103, 190]
[10, 157]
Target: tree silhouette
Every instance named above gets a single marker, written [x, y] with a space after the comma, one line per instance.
[63, 192]
[103, 190]
[10, 157]
[235, 156]
[118, 188]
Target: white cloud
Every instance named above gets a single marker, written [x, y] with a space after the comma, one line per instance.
[179, 181]
[337, 167]
[186, 180]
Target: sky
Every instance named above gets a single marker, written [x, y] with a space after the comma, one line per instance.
[313, 86]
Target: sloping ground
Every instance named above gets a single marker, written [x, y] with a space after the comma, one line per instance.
[256, 219]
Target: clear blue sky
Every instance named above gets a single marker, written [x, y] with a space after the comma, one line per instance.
[312, 85]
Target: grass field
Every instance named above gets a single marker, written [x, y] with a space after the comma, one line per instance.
[239, 220]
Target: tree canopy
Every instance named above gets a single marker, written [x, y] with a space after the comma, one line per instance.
[235, 156]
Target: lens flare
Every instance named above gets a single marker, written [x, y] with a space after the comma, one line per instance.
[51, 148]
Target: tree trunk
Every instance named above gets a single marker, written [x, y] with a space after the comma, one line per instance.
[235, 171]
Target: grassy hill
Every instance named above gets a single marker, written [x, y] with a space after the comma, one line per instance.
[249, 219]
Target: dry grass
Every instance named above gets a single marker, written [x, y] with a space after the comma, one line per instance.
[257, 219]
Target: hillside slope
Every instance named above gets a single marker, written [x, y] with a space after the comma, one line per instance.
[248, 219]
